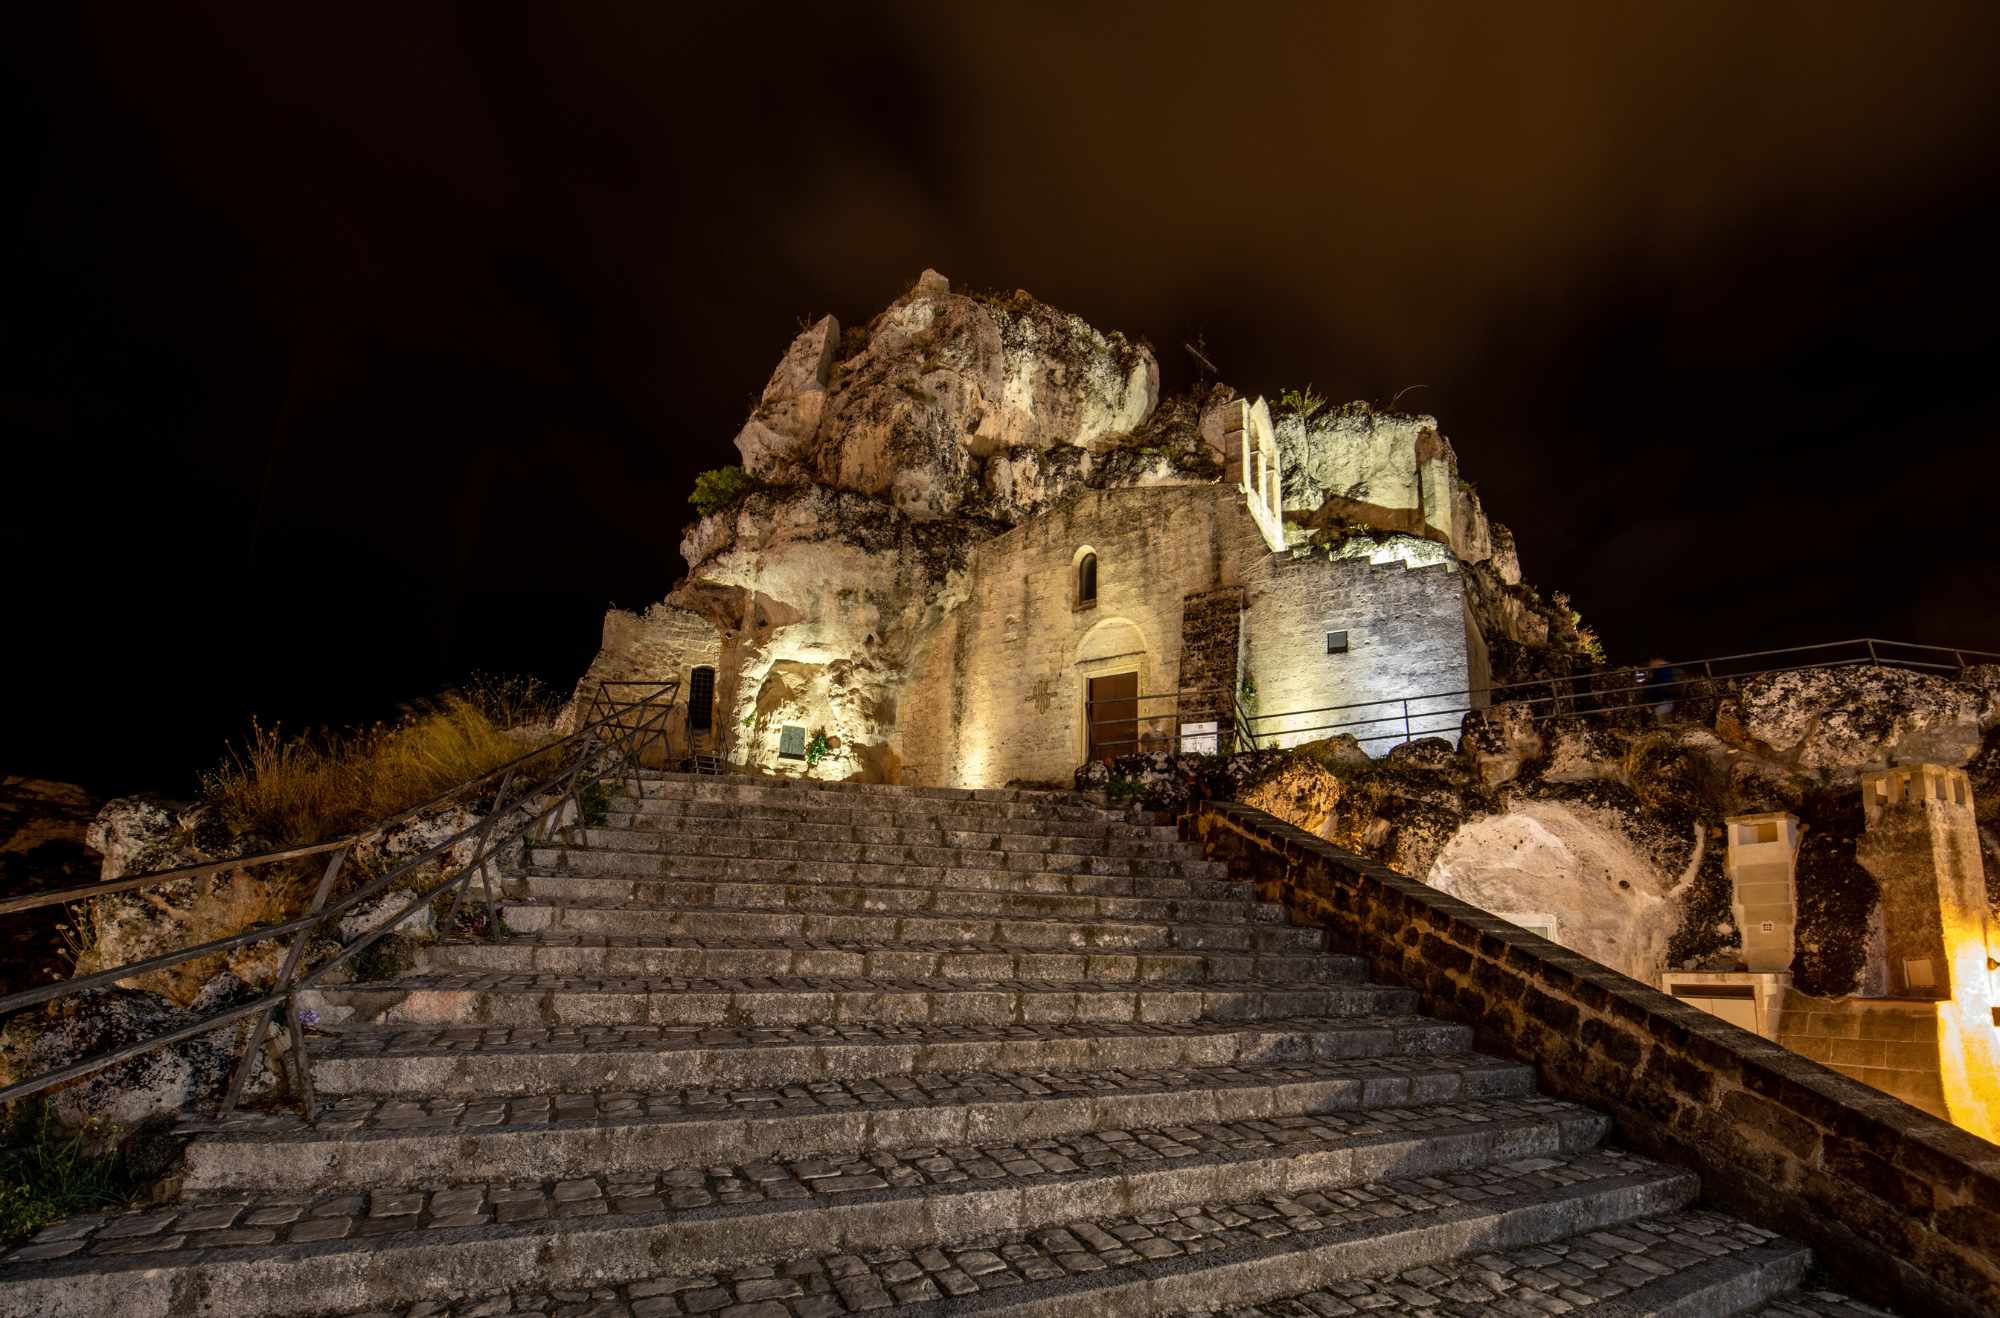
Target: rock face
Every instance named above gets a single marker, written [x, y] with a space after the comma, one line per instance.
[916, 408]
[1839, 721]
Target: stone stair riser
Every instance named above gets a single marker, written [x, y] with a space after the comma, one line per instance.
[587, 1148]
[832, 1007]
[584, 1070]
[667, 893]
[1081, 935]
[666, 787]
[979, 878]
[1026, 818]
[413, 1265]
[759, 851]
[738, 838]
[1158, 967]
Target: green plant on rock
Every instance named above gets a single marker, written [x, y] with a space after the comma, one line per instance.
[1305, 404]
[816, 749]
[593, 804]
[48, 1173]
[723, 488]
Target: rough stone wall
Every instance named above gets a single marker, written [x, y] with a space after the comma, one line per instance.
[1407, 633]
[996, 690]
[1211, 636]
[1905, 1208]
[1885, 1044]
[663, 643]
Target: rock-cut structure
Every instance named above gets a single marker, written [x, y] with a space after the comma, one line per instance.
[787, 1050]
[966, 525]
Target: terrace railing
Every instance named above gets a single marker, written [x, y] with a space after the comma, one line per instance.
[1123, 725]
[532, 793]
[1605, 691]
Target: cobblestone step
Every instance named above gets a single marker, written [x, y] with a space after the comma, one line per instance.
[652, 890]
[501, 1061]
[557, 914]
[1815, 1303]
[730, 837]
[705, 787]
[1224, 1258]
[1696, 1263]
[504, 999]
[1023, 817]
[1180, 865]
[1110, 837]
[637, 955]
[359, 1142]
[1084, 881]
[292, 1254]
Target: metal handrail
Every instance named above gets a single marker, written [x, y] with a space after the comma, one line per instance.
[1581, 686]
[612, 741]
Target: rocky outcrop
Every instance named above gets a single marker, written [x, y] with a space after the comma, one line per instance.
[43, 848]
[915, 407]
[1840, 721]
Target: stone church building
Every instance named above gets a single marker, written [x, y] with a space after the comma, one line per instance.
[976, 548]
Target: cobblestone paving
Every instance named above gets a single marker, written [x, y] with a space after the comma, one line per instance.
[707, 896]
[1100, 1248]
[482, 981]
[366, 1113]
[1289, 1031]
[291, 1219]
[1100, 839]
[1562, 1277]
[1097, 876]
[903, 959]
[1047, 852]
[1025, 932]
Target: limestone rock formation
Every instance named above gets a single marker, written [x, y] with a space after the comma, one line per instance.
[1840, 721]
[916, 407]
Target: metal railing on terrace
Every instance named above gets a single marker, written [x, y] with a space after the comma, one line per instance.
[531, 794]
[1153, 722]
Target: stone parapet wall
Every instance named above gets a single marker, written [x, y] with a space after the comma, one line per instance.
[1903, 1207]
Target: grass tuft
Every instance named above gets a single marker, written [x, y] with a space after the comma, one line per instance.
[295, 790]
[48, 1173]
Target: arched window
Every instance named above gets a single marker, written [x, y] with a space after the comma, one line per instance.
[701, 700]
[1086, 579]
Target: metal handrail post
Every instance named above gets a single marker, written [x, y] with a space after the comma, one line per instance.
[262, 1021]
[483, 859]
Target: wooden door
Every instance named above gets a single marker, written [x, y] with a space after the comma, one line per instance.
[1112, 713]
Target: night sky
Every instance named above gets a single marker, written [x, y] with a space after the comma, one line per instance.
[345, 350]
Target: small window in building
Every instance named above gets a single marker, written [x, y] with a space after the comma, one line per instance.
[701, 700]
[1086, 580]
[791, 742]
[1336, 642]
[1751, 834]
[1917, 973]
[1958, 789]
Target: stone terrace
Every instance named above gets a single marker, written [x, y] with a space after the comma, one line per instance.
[782, 1050]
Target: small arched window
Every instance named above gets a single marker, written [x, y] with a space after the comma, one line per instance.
[1086, 580]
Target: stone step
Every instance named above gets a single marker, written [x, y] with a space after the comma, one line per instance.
[912, 898]
[911, 813]
[699, 833]
[1181, 865]
[295, 1255]
[1815, 1302]
[731, 817]
[504, 1061]
[666, 786]
[614, 955]
[1694, 1264]
[362, 1142]
[657, 921]
[604, 861]
[1216, 1259]
[484, 998]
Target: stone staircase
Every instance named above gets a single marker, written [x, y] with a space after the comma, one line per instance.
[782, 1050]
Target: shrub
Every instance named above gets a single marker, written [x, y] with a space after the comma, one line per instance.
[48, 1173]
[722, 488]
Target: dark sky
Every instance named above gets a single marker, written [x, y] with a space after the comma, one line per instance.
[345, 350]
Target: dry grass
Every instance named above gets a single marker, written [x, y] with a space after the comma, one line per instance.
[305, 788]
